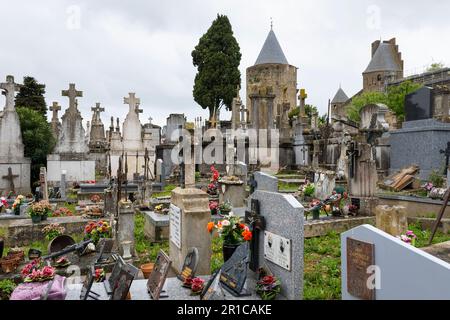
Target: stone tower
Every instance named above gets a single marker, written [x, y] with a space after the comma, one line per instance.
[386, 65]
[338, 104]
[271, 83]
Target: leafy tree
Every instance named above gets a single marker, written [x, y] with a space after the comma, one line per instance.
[31, 95]
[362, 100]
[37, 137]
[396, 97]
[310, 110]
[217, 57]
[436, 66]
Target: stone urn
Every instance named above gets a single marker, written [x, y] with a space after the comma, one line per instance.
[126, 246]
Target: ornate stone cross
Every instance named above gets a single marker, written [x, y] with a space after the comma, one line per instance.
[257, 224]
[132, 101]
[9, 88]
[55, 107]
[10, 177]
[72, 93]
[97, 110]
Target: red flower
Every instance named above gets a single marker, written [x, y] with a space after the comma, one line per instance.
[268, 280]
[247, 235]
[197, 284]
[188, 281]
[210, 226]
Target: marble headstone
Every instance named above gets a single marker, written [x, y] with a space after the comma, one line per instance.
[265, 182]
[283, 215]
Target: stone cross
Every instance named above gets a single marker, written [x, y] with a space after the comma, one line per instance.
[150, 120]
[257, 223]
[10, 177]
[97, 110]
[132, 101]
[55, 107]
[72, 93]
[9, 88]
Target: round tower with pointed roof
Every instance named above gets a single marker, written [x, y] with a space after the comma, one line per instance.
[386, 65]
[271, 77]
[338, 104]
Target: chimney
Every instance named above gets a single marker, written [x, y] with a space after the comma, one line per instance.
[375, 46]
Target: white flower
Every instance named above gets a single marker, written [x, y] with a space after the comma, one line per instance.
[231, 214]
[225, 223]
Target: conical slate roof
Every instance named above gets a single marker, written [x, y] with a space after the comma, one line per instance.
[271, 51]
[384, 59]
[340, 97]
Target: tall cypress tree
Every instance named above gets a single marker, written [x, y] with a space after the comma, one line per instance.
[31, 95]
[217, 57]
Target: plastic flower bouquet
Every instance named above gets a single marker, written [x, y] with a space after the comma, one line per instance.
[231, 229]
[97, 230]
[268, 287]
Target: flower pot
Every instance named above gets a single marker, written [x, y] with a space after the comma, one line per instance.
[44, 217]
[316, 214]
[147, 268]
[225, 212]
[36, 219]
[228, 250]
[9, 265]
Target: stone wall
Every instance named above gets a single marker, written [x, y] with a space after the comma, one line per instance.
[319, 228]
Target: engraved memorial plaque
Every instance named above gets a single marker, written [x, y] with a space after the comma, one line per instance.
[190, 265]
[277, 250]
[175, 225]
[159, 274]
[360, 256]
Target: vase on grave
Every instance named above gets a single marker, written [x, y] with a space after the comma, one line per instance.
[36, 219]
[228, 250]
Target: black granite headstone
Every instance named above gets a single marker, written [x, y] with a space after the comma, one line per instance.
[419, 104]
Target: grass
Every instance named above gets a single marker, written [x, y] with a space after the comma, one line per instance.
[322, 260]
[283, 186]
[146, 250]
[167, 191]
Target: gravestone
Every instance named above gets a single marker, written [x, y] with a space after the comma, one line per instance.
[63, 184]
[397, 269]
[281, 242]
[324, 184]
[159, 166]
[14, 167]
[189, 212]
[391, 219]
[43, 183]
[419, 104]
[265, 182]
[126, 226]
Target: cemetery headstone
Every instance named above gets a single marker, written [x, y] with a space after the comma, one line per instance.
[63, 184]
[391, 219]
[190, 209]
[419, 104]
[398, 271]
[158, 275]
[281, 242]
[265, 182]
[126, 226]
[43, 182]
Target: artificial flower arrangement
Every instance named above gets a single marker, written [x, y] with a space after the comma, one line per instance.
[96, 198]
[97, 230]
[195, 284]
[214, 183]
[409, 237]
[62, 212]
[62, 262]
[3, 203]
[231, 229]
[225, 207]
[213, 207]
[36, 271]
[99, 275]
[41, 208]
[20, 199]
[268, 287]
[53, 230]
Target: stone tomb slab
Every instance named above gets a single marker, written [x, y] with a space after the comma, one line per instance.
[283, 216]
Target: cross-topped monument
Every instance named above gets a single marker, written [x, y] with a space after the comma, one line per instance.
[97, 110]
[132, 101]
[10, 177]
[55, 107]
[9, 88]
[72, 93]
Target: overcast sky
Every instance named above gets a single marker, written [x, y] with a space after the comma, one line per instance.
[110, 48]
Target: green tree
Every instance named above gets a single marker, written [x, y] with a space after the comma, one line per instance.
[310, 110]
[436, 66]
[31, 95]
[362, 100]
[217, 57]
[37, 137]
[396, 97]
